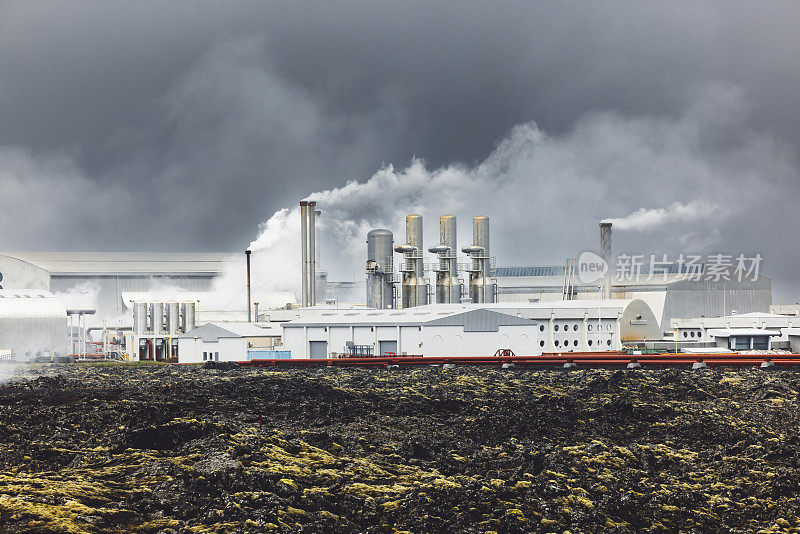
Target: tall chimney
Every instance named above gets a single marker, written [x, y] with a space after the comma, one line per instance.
[304, 248]
[605, 252]
[312, 253]
[247, 255]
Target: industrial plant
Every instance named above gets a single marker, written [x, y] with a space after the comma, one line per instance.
[418, 299]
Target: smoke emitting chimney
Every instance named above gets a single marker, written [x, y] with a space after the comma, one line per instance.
[605, 252]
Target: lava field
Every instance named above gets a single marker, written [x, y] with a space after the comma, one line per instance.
[170, 448]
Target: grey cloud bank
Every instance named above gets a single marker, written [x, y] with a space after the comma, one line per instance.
[183, 126]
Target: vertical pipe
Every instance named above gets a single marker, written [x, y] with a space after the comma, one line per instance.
[247, 255]
[255, 310]
[605, 252]
[304, 248]
[312, 254]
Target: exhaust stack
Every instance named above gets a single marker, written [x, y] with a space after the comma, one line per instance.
[415, 289]
[448, 287]
[481, 287]
[308, 252]
[605, 252]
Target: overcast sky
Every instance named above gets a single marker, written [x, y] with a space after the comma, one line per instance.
[184, 126]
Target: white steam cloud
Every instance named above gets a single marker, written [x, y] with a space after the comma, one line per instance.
[545, 194]
[644, 219]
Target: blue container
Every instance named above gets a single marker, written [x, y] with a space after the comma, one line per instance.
[269, 355]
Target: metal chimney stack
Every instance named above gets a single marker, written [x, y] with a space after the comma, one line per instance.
[481, 287]
[379, 269]
[312, 253]
[605, 252]
[308, 252]
[415, 289]
[304, 252]
[448, 287]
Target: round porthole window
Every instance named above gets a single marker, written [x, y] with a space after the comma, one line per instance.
[575, 327]
[590, 342]
[575, 343]
[541, 343]
[556, 343]
[685, 334]
[541, 328]
[608, 342]
[555, 328]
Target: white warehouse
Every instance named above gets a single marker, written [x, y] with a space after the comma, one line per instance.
[227, 342]
[420, 331]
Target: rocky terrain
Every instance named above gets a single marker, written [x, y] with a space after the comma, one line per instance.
[168, 448]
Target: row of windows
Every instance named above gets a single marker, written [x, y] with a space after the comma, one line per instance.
[566, 343]
[692, 333]
[589, 327]
[211, 356]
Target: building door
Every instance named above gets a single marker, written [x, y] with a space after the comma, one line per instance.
[387, 347]
[318, 350]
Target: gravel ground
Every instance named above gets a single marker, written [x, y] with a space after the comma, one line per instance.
[168, 448]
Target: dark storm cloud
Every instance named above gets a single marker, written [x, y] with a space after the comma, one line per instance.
[153, 125]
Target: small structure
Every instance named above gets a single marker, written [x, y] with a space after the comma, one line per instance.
[425, 331]
[743, 338]
[705, 329]
[229, 342]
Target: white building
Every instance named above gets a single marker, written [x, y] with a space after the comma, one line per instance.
[229, 342]
[32, 322]
[423, 331]
[707, 329]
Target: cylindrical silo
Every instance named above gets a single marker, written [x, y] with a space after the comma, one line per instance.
[139, 317]
[481, 287]
[157, 317]
[380, 244]
[188, 310]
[415, 289]
[173, 318]
[320, 287]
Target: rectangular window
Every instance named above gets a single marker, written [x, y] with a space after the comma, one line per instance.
[760, 342]
[205, 355]
[216, 356]
[741, 343]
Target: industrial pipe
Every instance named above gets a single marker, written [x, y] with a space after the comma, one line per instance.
[304, 248]
[312, 254]
[247, 255]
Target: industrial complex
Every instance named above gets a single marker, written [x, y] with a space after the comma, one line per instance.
[419, 298]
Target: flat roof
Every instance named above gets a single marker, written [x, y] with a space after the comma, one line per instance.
[733, 332]
[145, 263]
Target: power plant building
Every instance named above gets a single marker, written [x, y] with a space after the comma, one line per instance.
[423, 331]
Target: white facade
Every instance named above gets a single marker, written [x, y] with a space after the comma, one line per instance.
[414, 331]
[226, 342]
[32, 322]
[700, 328]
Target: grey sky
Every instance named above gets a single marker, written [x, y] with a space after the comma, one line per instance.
[183, 126]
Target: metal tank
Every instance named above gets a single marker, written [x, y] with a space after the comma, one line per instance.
[139, 317]
[379, 268]
[481, 286]
[188, 310]
[415, 289]
[173, 318]
[448, 286]
[157, 318]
